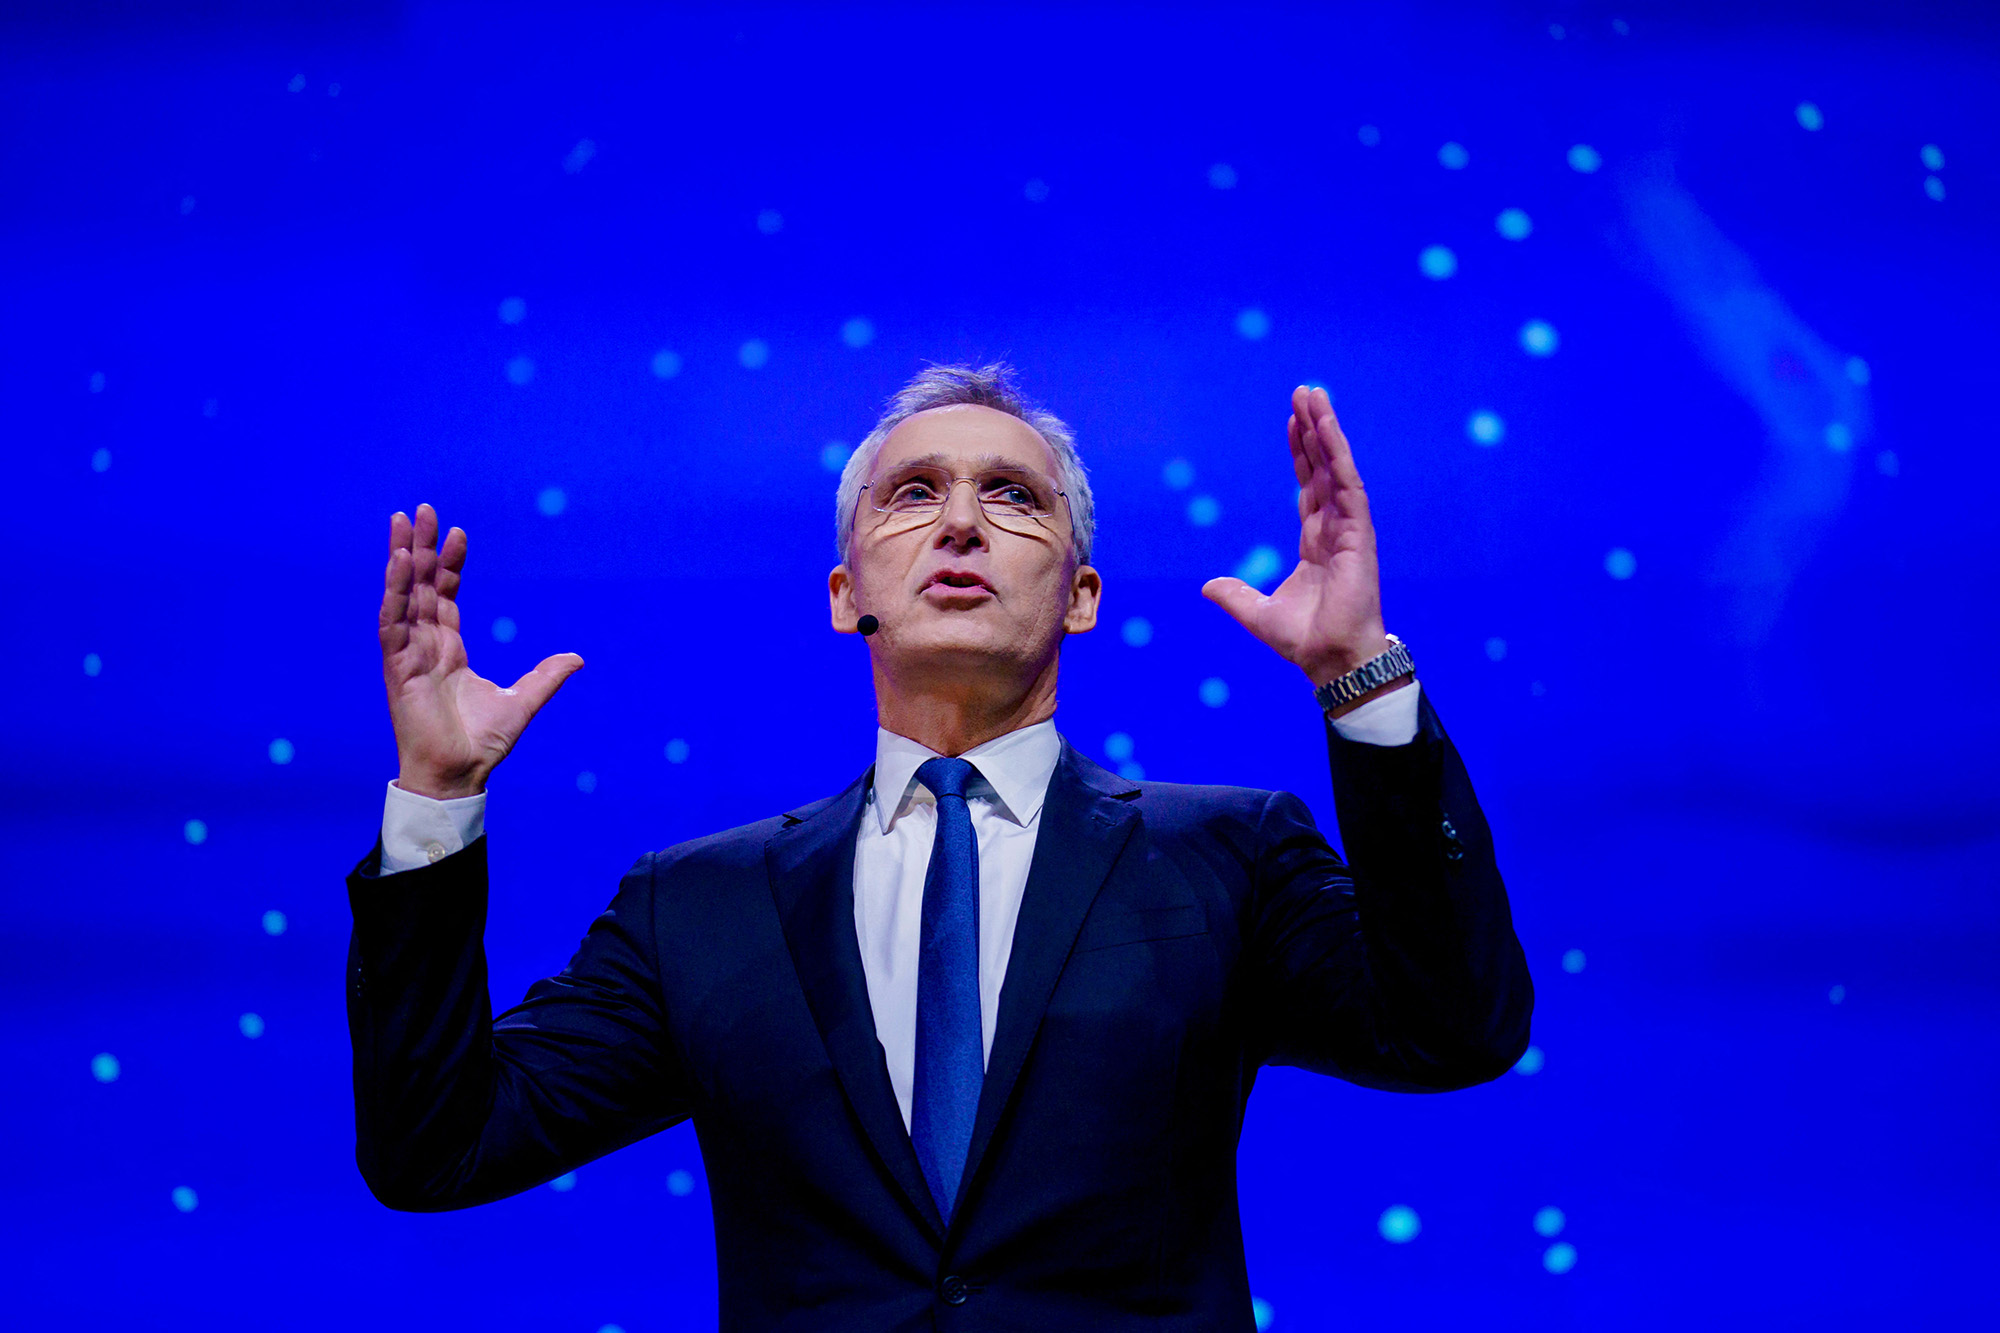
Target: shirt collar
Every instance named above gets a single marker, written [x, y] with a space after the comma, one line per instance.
[1014, 770]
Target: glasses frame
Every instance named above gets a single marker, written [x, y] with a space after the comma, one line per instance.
[889, 515]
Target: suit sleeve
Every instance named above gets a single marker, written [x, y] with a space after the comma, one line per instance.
[455, 1107]
[1399, 969]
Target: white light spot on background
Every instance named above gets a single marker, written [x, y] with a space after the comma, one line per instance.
[1222, 176]
[1132, 772]
[1560, 1257]
[1857, 371]
[1260, 566]
[1536, 688]
[833, 455]
[551, 500]
[283, 751]
[1399, 1224]
[1531, 1061]
[754, 354]
[504, 629]
[666, 363]
[1203, 510]
[1558, 31]
[857, 332]
[92, 664]
[1549, 1222]
[251, 1025]
[1839, 437]
[1931, 156]
[513, 310]
[104, 1067]
[564, 1182]
[209, 407]
[1253, 324]
[520, 370]
[611, 1328]
[97, 381]
[1136, 631]
[1573, 961]
[1178, 474]
[770, 222]
[296, 84]
[1934, 188]
[333, 90]
[1261, 1313]
[1620, 563]
[1036, 191]
[195, 831]
[1539, 338]
[677, 751]
[1495, 649]
[1584, 158]
[1370, 136]
[1836, 994]
[184, 1198]
[579, 157]
[274, 922]
[1453, 157]
[1810, 117]
[1214, 691]
[1621, 27]
[680, 1184]
[187, 204]
[586, 782]
[1118, 747]
[100, 461]
[1887, 463]
[1437, 262]
[1513, 224]
[1484, 427]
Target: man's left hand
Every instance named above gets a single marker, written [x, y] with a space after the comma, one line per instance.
[1326, 618]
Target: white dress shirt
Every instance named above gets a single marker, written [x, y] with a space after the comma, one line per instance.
[892, 852]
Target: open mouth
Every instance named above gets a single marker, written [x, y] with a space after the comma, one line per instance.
[957, 579]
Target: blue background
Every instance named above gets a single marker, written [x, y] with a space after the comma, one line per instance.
[1711, 620]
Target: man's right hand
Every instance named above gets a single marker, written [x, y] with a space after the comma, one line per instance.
[452, 726]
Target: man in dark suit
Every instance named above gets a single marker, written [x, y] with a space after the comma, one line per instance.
[967, 1045]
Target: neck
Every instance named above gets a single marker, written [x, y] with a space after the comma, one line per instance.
[950, 712]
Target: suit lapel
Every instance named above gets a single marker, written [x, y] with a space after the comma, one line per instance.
[1085, 824]
[811, 865]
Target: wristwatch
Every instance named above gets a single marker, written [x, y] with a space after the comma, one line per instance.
[1378, 670]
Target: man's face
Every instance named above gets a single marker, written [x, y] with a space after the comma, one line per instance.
[966, 586]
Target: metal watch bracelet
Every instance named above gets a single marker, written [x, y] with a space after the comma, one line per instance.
[1378, 670]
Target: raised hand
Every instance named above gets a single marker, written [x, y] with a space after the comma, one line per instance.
[1326, 618]
[452, 726]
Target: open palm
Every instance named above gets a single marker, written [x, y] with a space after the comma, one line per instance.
[452, 725]
[1326, 617]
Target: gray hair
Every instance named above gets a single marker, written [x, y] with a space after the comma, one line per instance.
[992, 385]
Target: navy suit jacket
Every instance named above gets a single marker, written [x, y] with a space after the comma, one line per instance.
[1172, 939]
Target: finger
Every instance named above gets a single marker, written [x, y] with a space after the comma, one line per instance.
[423, 549]
[451, 564]
[399, 531]
[1236, 597]
[538, 686]
[1339, 454]
[394, 625]
[1296, 440]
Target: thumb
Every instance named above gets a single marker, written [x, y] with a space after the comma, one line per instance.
[1236, 597]
[538, 686]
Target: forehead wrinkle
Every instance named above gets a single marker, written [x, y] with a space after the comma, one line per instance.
[986, 460]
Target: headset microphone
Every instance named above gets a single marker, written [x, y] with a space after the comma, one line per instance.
[867, 625]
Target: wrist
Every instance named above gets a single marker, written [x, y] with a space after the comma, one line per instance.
[1336, 660]
[439, 788]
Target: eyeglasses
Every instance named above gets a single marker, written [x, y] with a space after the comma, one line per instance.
[1014, 499]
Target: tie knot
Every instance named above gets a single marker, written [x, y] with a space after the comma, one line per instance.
[946, 777]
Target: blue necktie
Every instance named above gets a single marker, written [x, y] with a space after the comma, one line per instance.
[950, 1060]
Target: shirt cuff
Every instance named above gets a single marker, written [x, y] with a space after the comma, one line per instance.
[1388, 719]
[417, 830]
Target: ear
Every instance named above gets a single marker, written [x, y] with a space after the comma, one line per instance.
[840, 600]
[1085, 587]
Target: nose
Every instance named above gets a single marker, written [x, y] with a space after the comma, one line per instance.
[962, 521]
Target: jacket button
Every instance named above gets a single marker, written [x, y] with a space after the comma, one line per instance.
[953, 1289]
[1454, 848]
